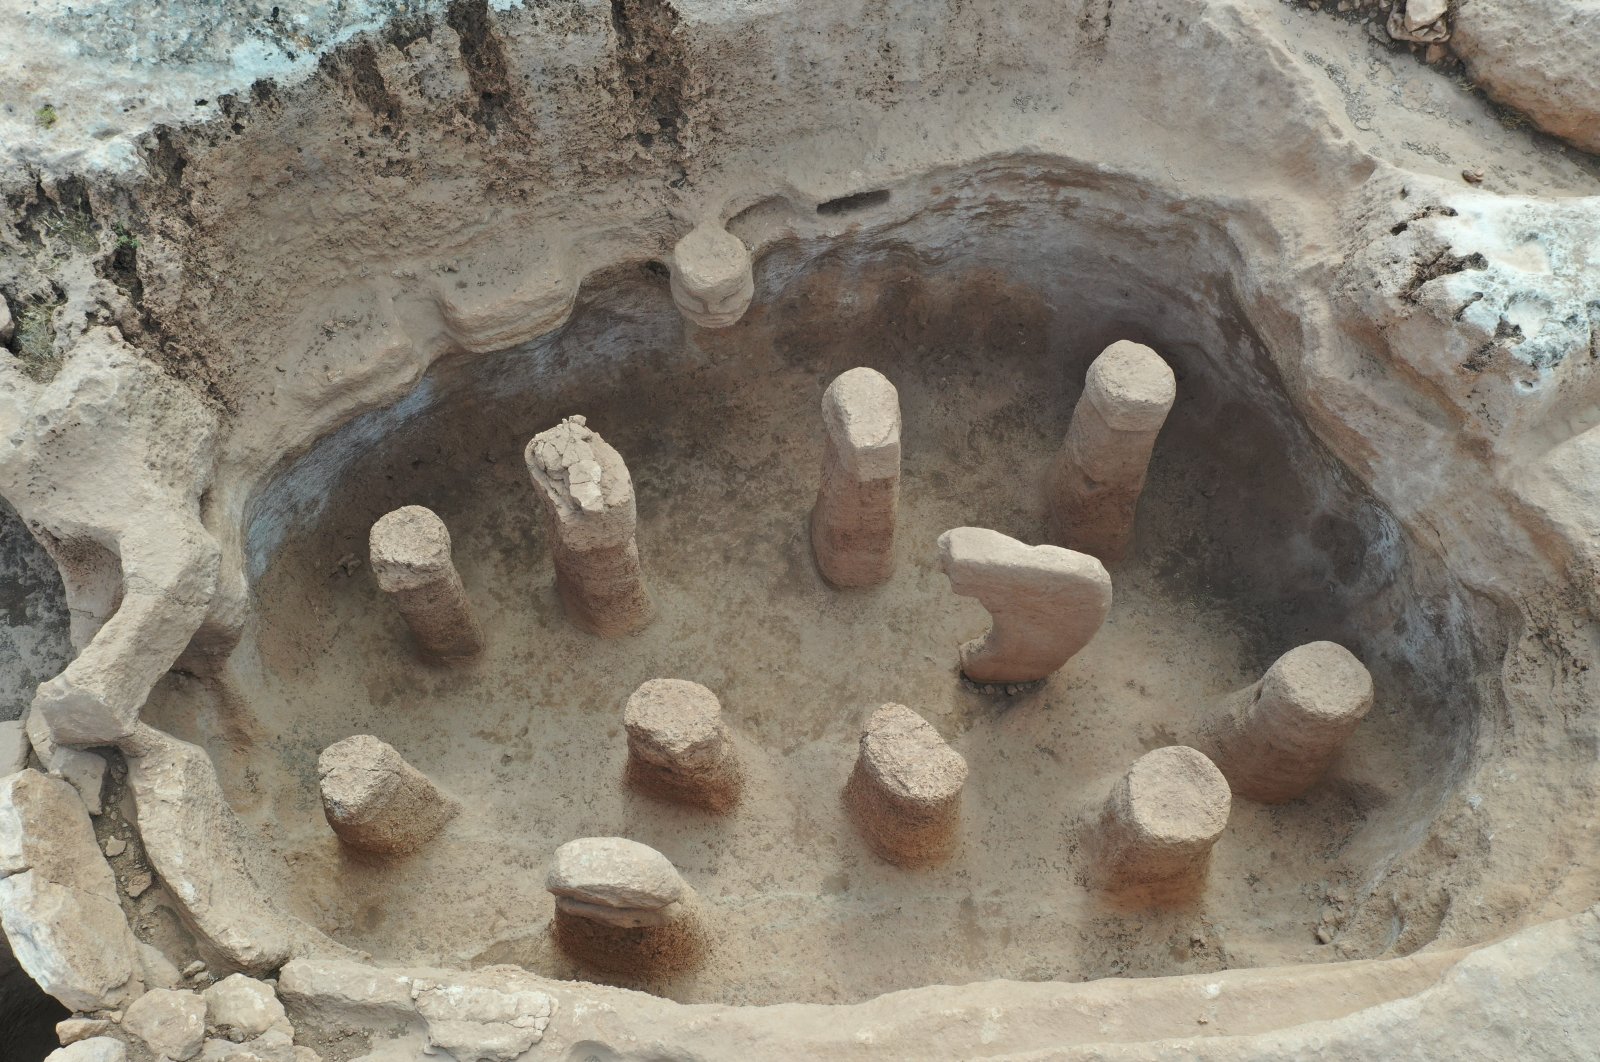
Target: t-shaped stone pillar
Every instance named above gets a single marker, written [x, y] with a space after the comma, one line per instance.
[621, 906]
[905, 791]
[376, 801]
[678, 747]
[410, 550]
[1097, 480]
[1046, 602]
[713, 279]
[1278, 737]
[589, 506]
[1159, 823]
[852, 523]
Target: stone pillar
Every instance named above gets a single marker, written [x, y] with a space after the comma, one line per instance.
[589, 506]
[1046, 602]
[377, 802]
[713, 279]
[410, 550]
[1097, 480]
[1277, 738]
[852, 523]
[678, 747]
[905, 791]
[1159, 823]
[622, 906]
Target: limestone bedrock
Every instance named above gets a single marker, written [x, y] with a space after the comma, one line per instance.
[376, 801]
[1046, 602]
[1096, 483]
[58, 898]
[410, 551]
[678, 746]
[853, 520]
[615, 881]
[1276, 739]
[1160, 821]
[905, 790]
[592, 519]
[712, 276]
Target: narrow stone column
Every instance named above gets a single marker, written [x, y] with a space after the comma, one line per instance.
[678, 747]
[1100, 474]
[852, 522]
[713, 278]
[622, 906]
[1046, 602]
[377, 802]
[905, 791]
[1277, 738]
[410, 550]
[589, 506]
[1159, 823]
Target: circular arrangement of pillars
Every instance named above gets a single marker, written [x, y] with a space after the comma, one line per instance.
[621, 905]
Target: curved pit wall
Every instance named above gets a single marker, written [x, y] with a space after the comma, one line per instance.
[1383, 436]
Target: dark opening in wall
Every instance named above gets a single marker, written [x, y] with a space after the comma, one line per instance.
[849, 204]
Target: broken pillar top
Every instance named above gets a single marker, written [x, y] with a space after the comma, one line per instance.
[358, 770]
[583, 478]
[1319, 682]
[861, 411]
[675, 722]
[906, 756]
[1176, 796]
[614, 872]
[1131, 387]
[410, 547]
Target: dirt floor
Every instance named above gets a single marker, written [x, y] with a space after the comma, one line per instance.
[1250, 543]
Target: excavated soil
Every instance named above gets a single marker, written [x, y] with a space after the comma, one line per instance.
[1250, 541]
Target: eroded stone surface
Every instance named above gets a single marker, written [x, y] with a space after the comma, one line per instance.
[241, 1008]
[96, 1049]
[1540, 56]
[712, 282]
[1160, 821]
[171, 1023]
[678, 746]
[905, 790]
[615, 881]
[410, 551]
[376, 801]
[853, 520]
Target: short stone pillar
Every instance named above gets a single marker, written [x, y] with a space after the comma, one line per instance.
[1159, 823]
[852, 522]
[1046, 602]
[1097, 480]
[905, 792]
[1275, 739]
[377, 802]
[622, 906]
[590, 513]
[713, 278]
[410, 550]
[678, 747]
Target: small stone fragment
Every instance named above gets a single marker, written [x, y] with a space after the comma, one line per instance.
[905, 791]
[376, 801]
[115, 846]
[194, 969]
[138, 884]
[853, 520]
[410, 550]
[13, 746]
[72, 1030]
[171, 1022]
[158, 969]
[678, 747]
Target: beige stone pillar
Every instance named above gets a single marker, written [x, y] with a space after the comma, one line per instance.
[905, 791]
[1276, 739]
[678, 747]
[410, 551]
[713, 278]
[622, 906]
[1159, 823]
[1046, 602]
[376, 801]
[1097, 479]
[590, 513]
[852, 522]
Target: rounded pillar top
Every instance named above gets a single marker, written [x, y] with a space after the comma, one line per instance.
[712, 276]
[1319, 682]
[410, 547]
[861, 410]
[614, 872]
[906, 756]
[677, 721]
[1131, 387]
[1176, 797]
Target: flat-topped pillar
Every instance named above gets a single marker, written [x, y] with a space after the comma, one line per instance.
[1046, 602]
[853, 520]
[905, 791]
[678, 746]
[590, 513]
[1276, 739]
[1159, 823]
[376, 801]
[410, 551]
[1100, 473]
